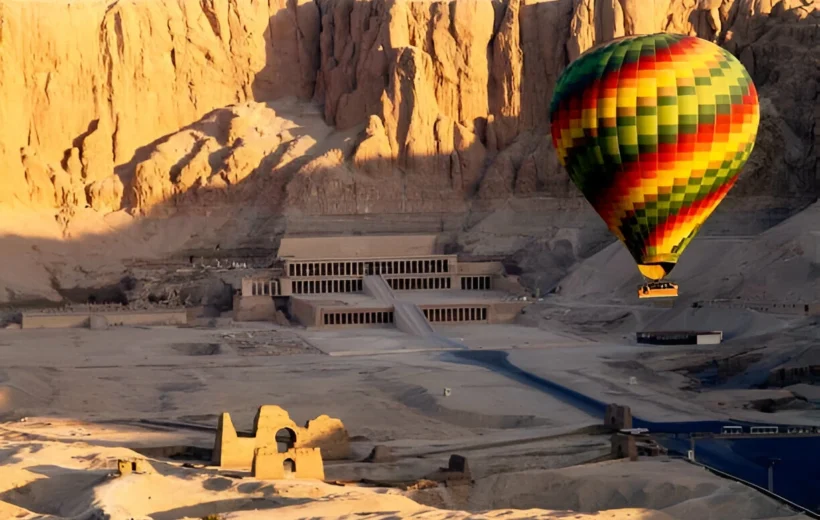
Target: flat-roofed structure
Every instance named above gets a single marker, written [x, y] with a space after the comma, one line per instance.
[686, 337]
[322, 282]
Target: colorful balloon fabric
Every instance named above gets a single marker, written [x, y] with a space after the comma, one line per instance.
[654, 130]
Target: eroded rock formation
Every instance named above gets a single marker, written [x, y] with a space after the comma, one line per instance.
[121, 104]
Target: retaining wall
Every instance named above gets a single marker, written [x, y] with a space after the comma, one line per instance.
[506, 312]
[804, 309]
[40, 320]
[509, 284]
[254, 308]
[305, 312]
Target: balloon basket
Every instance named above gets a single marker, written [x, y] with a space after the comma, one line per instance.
[665, 290]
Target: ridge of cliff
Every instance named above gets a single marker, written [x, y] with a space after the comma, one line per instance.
[428, 106]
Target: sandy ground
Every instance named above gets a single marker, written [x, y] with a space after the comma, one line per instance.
[192, 373]
[84, 392]
[49, 473]
[604, 369]
[175, 373]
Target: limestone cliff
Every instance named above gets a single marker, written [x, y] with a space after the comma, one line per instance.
[113, 104]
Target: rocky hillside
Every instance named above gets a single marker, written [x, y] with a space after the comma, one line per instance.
[122, 104]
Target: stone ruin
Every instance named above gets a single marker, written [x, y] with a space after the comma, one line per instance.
[618, 417]
[380, 453]
[278, 448]
[628, 445]
[133, 465]
[456, 472]
[624, 447]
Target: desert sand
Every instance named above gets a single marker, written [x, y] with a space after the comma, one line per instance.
[76, 400]
[68, 478]
[58, 475]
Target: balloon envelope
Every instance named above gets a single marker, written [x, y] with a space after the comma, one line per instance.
[654, 130]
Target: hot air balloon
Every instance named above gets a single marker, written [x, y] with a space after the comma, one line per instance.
[654, 129]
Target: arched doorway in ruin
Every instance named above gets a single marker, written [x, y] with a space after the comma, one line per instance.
[285, 440]
[289, 468]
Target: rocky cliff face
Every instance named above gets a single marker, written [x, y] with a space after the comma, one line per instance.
[435, 104]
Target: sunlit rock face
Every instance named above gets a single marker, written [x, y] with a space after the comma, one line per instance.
[426, 105]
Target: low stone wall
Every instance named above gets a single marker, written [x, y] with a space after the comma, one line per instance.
[804, 309]
[506, 312]
[254, 308]
[509, 284]
[42, 320]
[304, 312]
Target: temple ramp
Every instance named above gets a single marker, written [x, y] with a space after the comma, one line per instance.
[410, 320]
[408, 317]
[376, 287]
